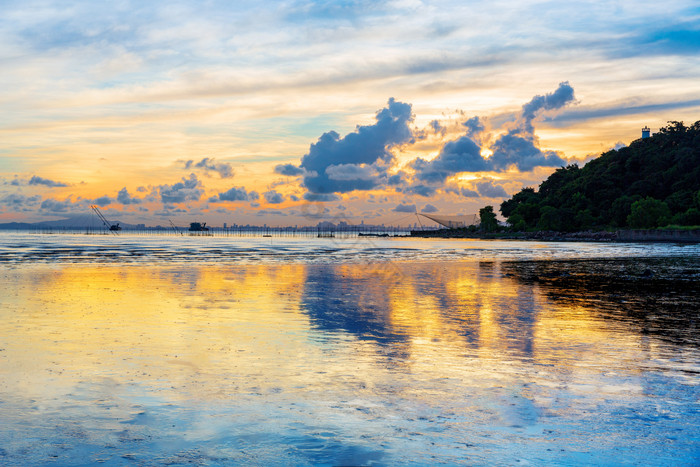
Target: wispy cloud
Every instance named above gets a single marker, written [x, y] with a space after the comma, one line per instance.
[114, 93]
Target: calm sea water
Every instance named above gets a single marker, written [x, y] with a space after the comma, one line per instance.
[288, 351]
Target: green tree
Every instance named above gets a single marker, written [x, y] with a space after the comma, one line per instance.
[648, 213]
[621, 209]
[665, 167]
[488, 219]
[550, 219]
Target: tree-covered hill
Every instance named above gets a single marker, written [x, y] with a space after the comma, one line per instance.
[653, 182]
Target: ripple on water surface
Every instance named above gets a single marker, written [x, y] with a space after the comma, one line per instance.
[314, 352]
[125, 248]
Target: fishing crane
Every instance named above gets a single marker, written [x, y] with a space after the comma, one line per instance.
[175, 228]
[114, 228]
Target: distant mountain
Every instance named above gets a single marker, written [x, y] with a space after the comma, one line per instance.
[654, 182]
[79, 221]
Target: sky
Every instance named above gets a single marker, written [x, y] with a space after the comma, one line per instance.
[295, 112]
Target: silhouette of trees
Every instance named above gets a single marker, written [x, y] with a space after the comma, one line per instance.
[488, 219]
[660, 174]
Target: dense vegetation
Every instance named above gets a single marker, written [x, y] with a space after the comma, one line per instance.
[654, 182]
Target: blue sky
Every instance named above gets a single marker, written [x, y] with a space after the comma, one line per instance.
[106, 96]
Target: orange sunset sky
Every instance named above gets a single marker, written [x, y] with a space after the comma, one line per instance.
[292, 112]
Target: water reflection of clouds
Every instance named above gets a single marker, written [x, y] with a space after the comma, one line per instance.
[467, 303]
[314, 363]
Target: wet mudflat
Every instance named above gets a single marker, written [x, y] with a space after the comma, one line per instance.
[467, 361]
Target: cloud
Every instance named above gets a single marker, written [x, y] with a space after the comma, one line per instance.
[615, 110]
[421, 190]
[488, 189]
[462, 155]
[273, 197]
[396, 179]
[518, 147]
[289, 170]
[474, 126]
[321, 197]
[357, 161]
[45, 181]
[224, 169]
[345, 172]
[125, 198]
[562, 96]
[429, 208]
[433, 128]
[270, 212]
[18, 201]
[102, 201]
[186, 190]
[52, 205]
[467, 193]
[238, 194]
[170, 211]
[522, 152]
[405, 208]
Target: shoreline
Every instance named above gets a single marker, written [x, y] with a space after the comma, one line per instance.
[650, 235]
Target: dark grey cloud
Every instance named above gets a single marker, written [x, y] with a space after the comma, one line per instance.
[522, 152]
[421, 190]
[35, 180]
[273, 197]
[289, 170]
[347, 172]
[170, 211]
[462, 155]
[186, 190]
[474, 126]
[397, 179]
[467, 193]
[125, 198]
[405, 208]
[102, 201]
[433, 128]
[238, 194]
[488, 189]
[270, 212]
[52, 205]
[208, 164]
[321, 197]
[437, 127]
[562, 96]
[19, 201]
[357, 161]
[517, 147]
[429, 208]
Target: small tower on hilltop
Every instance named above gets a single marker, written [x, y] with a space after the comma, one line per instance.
[646, 132]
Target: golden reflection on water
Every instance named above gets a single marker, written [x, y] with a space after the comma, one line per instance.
[187, 326]
[351, 344]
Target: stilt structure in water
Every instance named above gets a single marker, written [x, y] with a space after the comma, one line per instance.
[114, 228]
